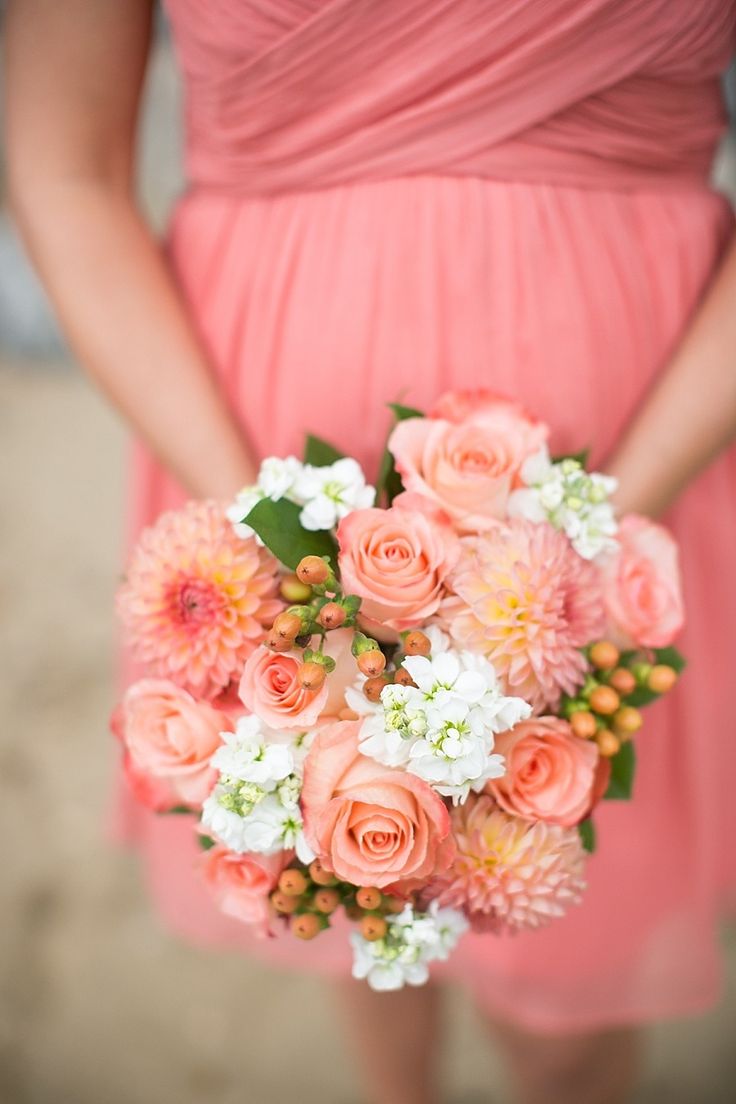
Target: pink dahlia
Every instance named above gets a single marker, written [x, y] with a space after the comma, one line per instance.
[526, 599]
[509, 874]
[197, 598]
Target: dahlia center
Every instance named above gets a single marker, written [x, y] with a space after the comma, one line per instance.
[196, 602]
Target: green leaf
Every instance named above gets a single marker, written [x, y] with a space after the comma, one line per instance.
[320, 453]
[641, 696]
[404, 412]
[623, 765]
[179, 810]
[671, 657]
[389, 482]
[587, 835]
[206, 842]
[581, 457]
[278, 526]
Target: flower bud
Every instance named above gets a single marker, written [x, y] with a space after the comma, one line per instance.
[583, 724]
[372, 663]
[332, 616]
[373, 928]
[661, 678]
[311, 675]
[294, 590]
[373, 687]
[326, 900]
[623, 681]
[403, 678]
[627, 721]
[306, 925]
[313, 570]
[292, 882]
[417, 643]
[604, 654]
[368, 897]
[288, 625]
[608, 743]
[319, 875]
[283, 903]
[604, 700]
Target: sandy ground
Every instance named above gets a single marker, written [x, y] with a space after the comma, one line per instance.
[98, 1005]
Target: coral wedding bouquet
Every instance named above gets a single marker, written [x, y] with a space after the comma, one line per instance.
[405, 702]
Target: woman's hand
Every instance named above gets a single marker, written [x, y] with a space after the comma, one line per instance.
[73, 78]
[690, 415]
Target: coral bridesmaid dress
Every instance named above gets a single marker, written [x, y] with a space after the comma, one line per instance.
[389, 198]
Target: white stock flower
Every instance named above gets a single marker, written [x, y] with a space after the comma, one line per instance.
[570, 499]
[442, 729]
[250, 754]
[412, 941]
[329, 493]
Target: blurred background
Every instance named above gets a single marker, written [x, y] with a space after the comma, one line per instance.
[97, 1002]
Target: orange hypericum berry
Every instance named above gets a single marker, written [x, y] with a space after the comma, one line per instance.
[306, 926]
[583, 724]
[605, 700]
[319, 875]
[372, 663]
[393, 904]
[368, 897]
[332, 616]
[292, 882]
[373, 928]
[278, 643]
[604, 654]
[326, 900]
[661, 678]
[623, 681]
[288, 625]
[416, 643]
[312, 570]
[627, 721]
[403, 678]
[283, 903]
[608, 743]
[311, 675]
[293, 589]
[373, 687]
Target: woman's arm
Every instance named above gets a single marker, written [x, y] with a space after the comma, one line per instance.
[73, 77]
[690, 416]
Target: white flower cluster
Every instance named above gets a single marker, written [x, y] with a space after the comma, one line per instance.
[571, 499]
[326, 494]
[442, 729]
[412, 941]
[255, 803]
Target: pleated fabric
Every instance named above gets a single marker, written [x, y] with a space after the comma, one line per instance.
[389, 198]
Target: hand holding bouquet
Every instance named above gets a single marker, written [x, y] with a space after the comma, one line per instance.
[406, 711]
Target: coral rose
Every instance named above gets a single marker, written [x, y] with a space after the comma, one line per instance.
[169, 738]
[241, 884]
[641, 584]
[397, 560]
[370, 825]
[467, 457]
[551, 774]
[270, 688]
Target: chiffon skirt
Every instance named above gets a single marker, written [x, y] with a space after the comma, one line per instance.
[316, 310]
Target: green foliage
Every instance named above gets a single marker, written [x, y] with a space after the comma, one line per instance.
[205, 842]
[671, 657]
[581, 457]
[279, 527]
[587, 835]
[389, 483]
[179, 810]
[623, 766]
[320, 453]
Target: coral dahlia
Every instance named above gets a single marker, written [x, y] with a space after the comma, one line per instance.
[508, 873]
[529, 602]
[197, 598]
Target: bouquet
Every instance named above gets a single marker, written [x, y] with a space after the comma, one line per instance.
[400, 702]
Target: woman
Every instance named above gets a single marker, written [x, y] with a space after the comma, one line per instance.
[388, 198]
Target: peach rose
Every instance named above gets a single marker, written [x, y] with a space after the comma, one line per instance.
[269, 686]
[641, 583]
[367, 823]
[241, 884]
[168, 738]
[468, 455]
[397, 560]
[551, 774]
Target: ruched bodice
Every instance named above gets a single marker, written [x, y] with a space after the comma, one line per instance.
[292, 94]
